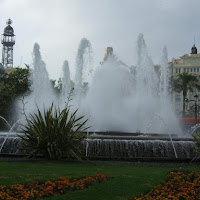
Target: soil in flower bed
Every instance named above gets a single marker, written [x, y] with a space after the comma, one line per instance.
[180, 186]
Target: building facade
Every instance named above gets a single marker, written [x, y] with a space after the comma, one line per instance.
[188, 63]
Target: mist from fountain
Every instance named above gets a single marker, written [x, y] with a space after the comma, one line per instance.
[116, 99]
[66, 82]
[83, 68]
[42, 93]
[42, 89]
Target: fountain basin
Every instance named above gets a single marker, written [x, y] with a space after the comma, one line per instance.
[137, 149]
[9, 144]
[137, 136]
[130, 146]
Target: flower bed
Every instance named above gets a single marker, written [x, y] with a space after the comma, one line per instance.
[35, 190]
[180, 186]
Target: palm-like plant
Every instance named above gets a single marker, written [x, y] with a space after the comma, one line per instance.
[185, 82]
[55, 134]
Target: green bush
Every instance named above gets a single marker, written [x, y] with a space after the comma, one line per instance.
[55, 134]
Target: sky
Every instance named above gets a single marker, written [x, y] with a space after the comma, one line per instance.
[59, 25]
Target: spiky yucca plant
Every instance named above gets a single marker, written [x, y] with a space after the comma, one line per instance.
[55, 134]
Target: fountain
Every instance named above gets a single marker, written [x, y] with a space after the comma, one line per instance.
[66, 85]
[83, 69]
[128, 108]
[119, 100]
[9, 141]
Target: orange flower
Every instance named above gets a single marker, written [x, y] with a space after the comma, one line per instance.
[181, 185]
[34, 190]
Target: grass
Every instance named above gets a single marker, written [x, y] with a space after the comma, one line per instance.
[126, 180]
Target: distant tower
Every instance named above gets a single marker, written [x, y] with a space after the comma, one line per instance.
[8, 41]
[194, 50]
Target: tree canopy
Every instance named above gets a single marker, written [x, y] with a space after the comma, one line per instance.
[12, 85]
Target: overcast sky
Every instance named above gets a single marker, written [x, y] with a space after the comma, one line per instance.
[59, 25]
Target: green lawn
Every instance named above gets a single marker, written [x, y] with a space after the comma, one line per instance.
[126, 180]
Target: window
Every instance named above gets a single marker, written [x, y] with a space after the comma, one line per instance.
[191, 69]
[184, 69]
[194, 69]
[188, 70]
[176, 70]
[197, 69]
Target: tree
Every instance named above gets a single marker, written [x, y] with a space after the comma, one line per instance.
[6, 97]
[185, 82]
[12, 85]
[18, 80]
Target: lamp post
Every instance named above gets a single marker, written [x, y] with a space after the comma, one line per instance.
[195, 107]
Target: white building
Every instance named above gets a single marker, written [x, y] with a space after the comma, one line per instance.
[188, 63]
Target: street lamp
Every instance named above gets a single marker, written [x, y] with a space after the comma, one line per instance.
[195, 107]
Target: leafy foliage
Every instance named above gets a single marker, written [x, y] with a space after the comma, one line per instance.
[55, 134]
[6, 94]
[58, 85]
[184, 82]
[18, 80]
[12, 85]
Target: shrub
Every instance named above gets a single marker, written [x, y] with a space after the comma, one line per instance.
[55, 134]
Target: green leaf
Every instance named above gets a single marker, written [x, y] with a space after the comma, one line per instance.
[55, 134]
